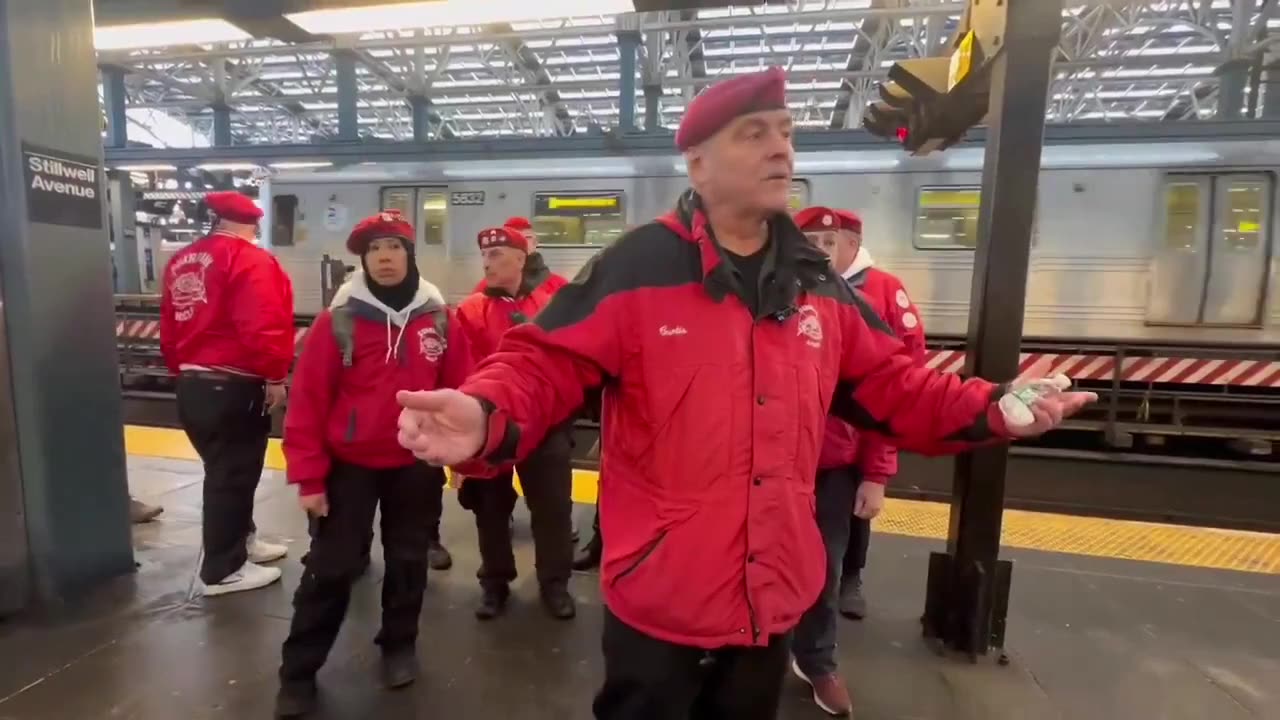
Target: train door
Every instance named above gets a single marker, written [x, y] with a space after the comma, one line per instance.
[1213, 252]
[428, 209]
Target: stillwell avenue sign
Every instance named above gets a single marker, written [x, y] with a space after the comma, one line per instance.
[62, 189]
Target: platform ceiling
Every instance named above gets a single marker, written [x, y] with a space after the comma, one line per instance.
[1118, 61]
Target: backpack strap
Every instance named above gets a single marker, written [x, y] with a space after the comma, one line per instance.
[344, 324]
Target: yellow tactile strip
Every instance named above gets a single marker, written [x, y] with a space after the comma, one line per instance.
[1098, 537]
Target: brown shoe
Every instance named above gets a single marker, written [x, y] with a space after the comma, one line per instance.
[829, 692]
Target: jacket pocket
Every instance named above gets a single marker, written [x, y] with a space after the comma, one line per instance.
[644, 555]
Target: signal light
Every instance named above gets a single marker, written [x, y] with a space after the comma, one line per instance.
[903, 135]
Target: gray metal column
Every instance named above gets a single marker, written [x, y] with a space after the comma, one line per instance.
[221, 125]
[1231, 93]
[113, 97]
[61, 437]
[629, 39]
[124, 234]
[348, 116]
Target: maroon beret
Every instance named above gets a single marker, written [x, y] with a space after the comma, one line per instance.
[822, 218]
[505, 236]
[233, 206]
[518, 223]
[720, 103]
[388, 223]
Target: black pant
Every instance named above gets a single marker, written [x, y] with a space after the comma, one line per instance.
[814, 644]
[434, 510]
[855, 554]
[648, 679]
[226, 421]
[336, 560]
[547, 479]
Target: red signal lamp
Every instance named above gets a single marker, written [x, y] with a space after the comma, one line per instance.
[903, 134]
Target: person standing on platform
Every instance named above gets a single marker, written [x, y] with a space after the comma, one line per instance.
[721, 338]
[853, 467]
[536, 272]
[509, 300]
[226, 331]
[386, 330]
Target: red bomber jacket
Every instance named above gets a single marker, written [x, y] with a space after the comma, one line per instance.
[875, 456]
[713, 418]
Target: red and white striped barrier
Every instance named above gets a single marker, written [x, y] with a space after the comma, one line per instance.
[1174, 370]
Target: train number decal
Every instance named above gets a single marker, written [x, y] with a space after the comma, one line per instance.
[475, 197]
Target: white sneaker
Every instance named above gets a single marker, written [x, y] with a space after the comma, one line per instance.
[248, 577]
[264, 552]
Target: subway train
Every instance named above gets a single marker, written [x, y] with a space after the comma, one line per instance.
[1165, 242]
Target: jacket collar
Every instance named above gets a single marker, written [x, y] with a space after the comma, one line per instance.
[791, 266]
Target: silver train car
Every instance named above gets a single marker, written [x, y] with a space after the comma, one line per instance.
[1170, 242]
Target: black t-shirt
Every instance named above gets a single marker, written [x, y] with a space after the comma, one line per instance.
[748, 269]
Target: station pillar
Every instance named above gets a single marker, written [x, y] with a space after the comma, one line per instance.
[968, 585]
[64, 502]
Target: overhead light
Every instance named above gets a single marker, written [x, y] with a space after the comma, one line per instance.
[184, 32]
[449, 13]
[155, 167]
[301, 165]
[227, 166]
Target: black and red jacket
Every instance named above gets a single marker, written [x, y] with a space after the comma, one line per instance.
[713, 418]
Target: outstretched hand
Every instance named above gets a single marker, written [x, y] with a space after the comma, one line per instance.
[441, 427]
[1049, 410]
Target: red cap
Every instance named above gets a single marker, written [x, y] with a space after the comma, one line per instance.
[518, 223]
[822, 218]
[719, 104]
[388, 223]
[505, 236]
[233, 206]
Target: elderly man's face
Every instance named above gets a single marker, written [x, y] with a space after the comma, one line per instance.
[748, 163]
[840, 245]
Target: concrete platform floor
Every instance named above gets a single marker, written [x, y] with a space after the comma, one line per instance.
[1089, 638]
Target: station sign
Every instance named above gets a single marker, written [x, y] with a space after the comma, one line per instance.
[62, 188]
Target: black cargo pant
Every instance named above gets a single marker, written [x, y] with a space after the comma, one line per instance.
[649, 679]
[336, 560]
[225, 419]
[547, 479]
[855, 554]
[815, 637]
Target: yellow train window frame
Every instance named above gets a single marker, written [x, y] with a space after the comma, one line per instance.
[583, 216]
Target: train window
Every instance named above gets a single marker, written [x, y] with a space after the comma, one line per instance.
[576, 218]
[432, 211]
[798, 199]
[1182, 215]
[1242, 228]
[402, 199]
[947, 218]
[284, 210]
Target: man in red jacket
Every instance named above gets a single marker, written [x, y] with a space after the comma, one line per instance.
[387, 329]
[226, 331]
[546, 474]
[853, 467]
[536, 272]
[721, 338]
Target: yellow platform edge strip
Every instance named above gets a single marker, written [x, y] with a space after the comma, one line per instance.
[1096, 537]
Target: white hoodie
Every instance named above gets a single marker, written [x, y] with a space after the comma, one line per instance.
[356, 288]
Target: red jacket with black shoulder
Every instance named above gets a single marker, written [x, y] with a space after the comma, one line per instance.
[536, 274]
[713, 418]
[227, 305]
[874, 455]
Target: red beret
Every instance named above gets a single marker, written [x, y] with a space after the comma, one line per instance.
[518, 223]
[822, 218]
[720, 103]
[388, 223]
[505, 236]
[233, 206]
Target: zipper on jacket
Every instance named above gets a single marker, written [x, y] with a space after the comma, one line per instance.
[746, 586]
[649, 550]
[351, 425]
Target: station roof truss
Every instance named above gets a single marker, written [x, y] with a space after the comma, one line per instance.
[1118, 61]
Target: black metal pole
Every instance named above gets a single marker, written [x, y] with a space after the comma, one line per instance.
[968, 587]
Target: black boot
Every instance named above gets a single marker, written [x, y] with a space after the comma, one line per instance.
[438, 557]
[852, 604]
[399, 668]
[558, 602]
[589, 558]
[493, 602]
[296, 700]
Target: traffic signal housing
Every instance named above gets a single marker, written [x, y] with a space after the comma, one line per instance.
[929, 104]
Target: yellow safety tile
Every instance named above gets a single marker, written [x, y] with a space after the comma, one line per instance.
[1097, 537]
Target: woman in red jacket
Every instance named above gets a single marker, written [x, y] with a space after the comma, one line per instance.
[386, 330]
